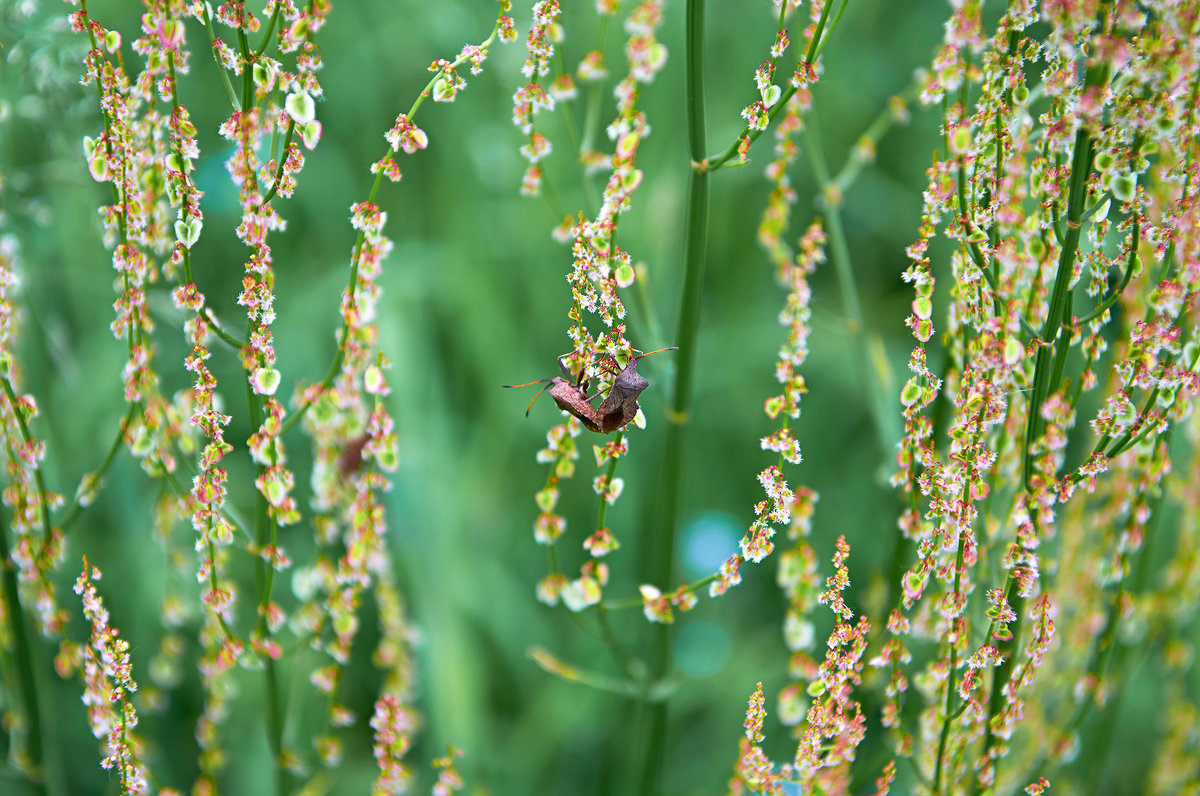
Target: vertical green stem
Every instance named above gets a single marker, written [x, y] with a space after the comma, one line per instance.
[661, 552]
[23, 655]
[1055, 330]
[264, 526]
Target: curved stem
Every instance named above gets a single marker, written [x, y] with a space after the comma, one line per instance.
[270, 29]
[351, 285]
[77, 505]
[225, 336]
[221, 70]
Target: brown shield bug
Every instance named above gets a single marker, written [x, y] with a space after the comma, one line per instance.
[568, 394]
[618, 408]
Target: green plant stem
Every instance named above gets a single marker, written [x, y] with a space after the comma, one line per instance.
[287, 141]
[620, 655]
[1057, 326]
[591, 119]
[815, 45]
[644, 307]
[1130, 267]
[886, 426]
[335, 366]
[1116, 656]
[661, 552]
[601, 682]
[589, 190]
[18, 628]
[876, 130]
[602, 510]
[606, 632]
[77, 505]
[275, 729]
[221, 70]
[264, 526]
[637, 602]
[1106, 649]
[270, 29]
[119, 199]
[1168, 261]
[187, 257]
[225, 336]
[39, 481]
[247, 71]
[824, 28]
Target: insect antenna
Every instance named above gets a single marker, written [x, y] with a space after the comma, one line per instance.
[539, 392]
[659, 351]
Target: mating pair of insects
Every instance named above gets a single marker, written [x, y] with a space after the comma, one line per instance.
[617, 409]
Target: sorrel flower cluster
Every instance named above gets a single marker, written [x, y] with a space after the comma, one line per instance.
[1068, 200]
[36, 542]
[1067, 183]
[109, 687]
[147, 153]
[776, 509]
[600, 270]
[835, 723]
[1048, 426]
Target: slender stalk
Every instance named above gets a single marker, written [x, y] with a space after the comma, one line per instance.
[221, 70]
[335, 366]
[264, 535]
[661, 552]
[885, 422]
[38, 479]
[287, 141]
[1057, 326]
[275, 729]
[602, 509]
[816, 44]
[696, 231]
[97, 475]
[591, 119]
[620, 655]
[1130, 267]
[1048, 364]
[1107, 654]
[859, 156]
[247, 72]
[23, 653]
[270, 29]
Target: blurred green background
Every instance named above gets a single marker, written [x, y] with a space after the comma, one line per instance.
[474, 297]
